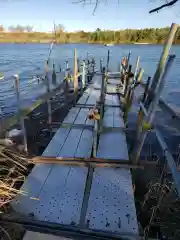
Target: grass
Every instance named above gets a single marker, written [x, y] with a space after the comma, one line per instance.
[13, 170]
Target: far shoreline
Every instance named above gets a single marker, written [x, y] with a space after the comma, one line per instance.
[91, 43]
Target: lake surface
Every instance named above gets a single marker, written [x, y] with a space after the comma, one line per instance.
[28, 60]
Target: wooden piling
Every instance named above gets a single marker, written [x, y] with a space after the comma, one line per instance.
[102, 96]
[108, 58]
[128, 59]
[136, 68]
[139, 76]
[127, 81]
[54, 75]
[146, 89]
[101, 68]
[48, 91]
[141, 113]
[75, 77]
[20, 117]
[83, 75]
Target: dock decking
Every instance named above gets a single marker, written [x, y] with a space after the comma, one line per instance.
[60, 189]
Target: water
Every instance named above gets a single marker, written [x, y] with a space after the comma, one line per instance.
[28, 60]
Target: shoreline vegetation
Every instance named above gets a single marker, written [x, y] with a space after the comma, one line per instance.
[20, 34]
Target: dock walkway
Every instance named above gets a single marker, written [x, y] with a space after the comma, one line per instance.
[61, 189]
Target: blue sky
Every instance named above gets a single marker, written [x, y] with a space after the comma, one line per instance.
[128, 14]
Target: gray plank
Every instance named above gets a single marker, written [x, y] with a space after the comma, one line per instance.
[71, 143]
[94, 97]
[111, 203]
[65, 183]
[36, 179]
[41, 236]
[112, 144]
[85, 144]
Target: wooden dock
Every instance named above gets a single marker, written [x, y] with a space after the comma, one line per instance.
[81, 187]
[93, 198]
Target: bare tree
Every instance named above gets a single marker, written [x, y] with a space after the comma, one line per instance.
[29, 28]
[167, 3]
[2, 28]
[17, 28]
[59, 28]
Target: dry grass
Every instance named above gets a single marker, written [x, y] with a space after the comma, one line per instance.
[162, 205]
[13, 170]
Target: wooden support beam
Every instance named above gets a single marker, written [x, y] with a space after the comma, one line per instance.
[92, 162]
[92, 106]
[87, 126]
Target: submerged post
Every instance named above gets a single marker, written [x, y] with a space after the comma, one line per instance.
[75, 77]
[20, 118]
[152, 110]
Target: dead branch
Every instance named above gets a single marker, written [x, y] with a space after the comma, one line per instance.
[171, 3]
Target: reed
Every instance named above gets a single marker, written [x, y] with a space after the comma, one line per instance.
[13, 170]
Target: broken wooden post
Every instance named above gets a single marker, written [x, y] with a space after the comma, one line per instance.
[75, 77]
[20, 117]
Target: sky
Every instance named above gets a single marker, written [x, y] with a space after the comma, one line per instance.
[75, 16]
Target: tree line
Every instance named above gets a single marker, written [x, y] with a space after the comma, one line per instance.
[21, 33]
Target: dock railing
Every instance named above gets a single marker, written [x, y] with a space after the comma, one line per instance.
[148, 106]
